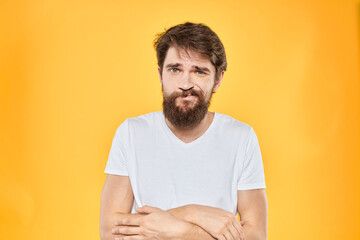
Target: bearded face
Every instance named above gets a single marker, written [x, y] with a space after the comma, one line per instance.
[188, 83]
[185, 109]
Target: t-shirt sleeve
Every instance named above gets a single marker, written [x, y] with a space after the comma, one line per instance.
[252, 173]
[116, 163]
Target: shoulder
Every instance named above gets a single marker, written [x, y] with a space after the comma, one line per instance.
[144, 122]
[228, 123]
[147, 118]
[138, 125]
[141, 120]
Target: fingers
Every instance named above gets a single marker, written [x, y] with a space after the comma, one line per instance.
[133, 237]
[236, 229]
[231, 232]
[243, 235]
[147, 209]
[126, 230]
[229, 236]
[239, 230]
[235, 233]
[130, 221]
[221, 238]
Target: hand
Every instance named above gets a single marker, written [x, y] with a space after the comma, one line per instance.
[153, 223]
[220, 223]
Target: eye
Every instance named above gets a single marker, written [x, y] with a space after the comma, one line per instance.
[201, 72]
[174, 70]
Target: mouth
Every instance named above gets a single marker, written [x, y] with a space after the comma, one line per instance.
[188, 96]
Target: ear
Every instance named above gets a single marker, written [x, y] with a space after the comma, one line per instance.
[159, 71]
[218, 81]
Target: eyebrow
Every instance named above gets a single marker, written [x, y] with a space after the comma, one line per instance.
[173, 65]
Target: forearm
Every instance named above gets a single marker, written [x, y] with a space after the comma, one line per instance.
[183, 213]
[193, 231]
[107, 223]
[253, 233]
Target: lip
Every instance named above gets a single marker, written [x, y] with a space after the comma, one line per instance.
[188, 96]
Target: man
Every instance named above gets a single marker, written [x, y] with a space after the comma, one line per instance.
[185, 172]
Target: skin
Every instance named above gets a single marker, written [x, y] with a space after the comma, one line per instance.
[182, 71]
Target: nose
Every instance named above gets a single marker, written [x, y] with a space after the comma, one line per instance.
[186, 82]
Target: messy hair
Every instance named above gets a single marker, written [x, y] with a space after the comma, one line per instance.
[192, 36]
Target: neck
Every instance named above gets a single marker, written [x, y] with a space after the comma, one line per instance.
[190, 134]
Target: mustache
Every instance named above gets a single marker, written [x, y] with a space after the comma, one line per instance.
[189, 92]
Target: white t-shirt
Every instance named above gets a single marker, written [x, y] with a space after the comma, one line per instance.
[166, 172]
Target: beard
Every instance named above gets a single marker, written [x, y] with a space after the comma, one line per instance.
[189, 113]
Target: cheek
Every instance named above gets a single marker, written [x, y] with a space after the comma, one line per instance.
[166, 83]
[205, 87]
[167, 87]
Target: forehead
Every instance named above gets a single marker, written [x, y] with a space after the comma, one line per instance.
[187, 57]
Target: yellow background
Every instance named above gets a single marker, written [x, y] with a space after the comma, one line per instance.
[72, 71]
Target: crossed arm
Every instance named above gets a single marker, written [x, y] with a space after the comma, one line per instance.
[186, 222]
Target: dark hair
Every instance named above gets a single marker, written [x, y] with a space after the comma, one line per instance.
[192, 36]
